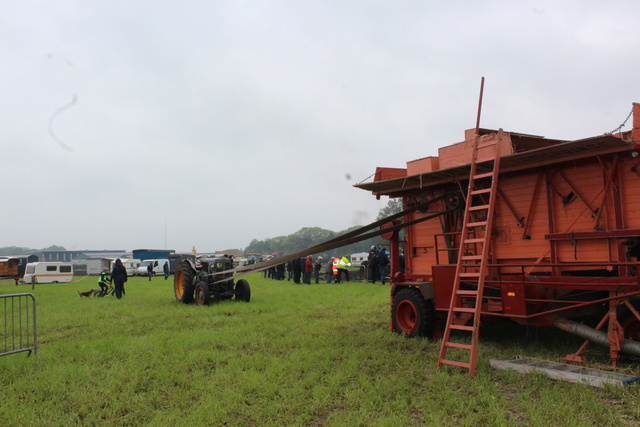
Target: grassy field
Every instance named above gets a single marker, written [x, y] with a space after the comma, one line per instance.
[318, 355]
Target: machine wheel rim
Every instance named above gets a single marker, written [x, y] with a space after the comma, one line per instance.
[177, 281]
[407, 316]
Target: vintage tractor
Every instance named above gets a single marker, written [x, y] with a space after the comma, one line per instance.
[208, 280]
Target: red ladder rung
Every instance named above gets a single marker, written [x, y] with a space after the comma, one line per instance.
[479, 207]
[473, 241]
[481, 191]
[463, 310]
[458, 345]
[462, 328]
[454, 363]
[483, 175]
[477, 224]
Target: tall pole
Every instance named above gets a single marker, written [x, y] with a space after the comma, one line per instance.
[479, 107]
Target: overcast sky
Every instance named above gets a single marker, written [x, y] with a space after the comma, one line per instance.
[171, 124]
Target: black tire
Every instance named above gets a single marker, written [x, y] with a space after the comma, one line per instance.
[203, 296]
[183, 286]
[412, 315]
[628, 321]
[243, 291]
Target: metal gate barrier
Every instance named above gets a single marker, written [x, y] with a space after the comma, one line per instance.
[18, 324]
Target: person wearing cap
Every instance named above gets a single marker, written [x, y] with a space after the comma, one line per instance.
[316, 269]
[104, 279]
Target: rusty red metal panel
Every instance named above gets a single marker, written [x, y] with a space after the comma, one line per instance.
[384, 174]
[513, 299]
[443, 278]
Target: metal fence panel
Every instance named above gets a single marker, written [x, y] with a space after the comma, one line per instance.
[18, 331]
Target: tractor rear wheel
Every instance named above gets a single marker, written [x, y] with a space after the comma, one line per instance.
[411, 314]
[243, 291]
[203, 296]
[183, 286]
[628, 321]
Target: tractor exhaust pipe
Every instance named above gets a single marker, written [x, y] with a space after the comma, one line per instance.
[629, 347]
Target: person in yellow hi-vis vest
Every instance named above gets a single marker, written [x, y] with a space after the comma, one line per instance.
[336, 260]
[343, 263]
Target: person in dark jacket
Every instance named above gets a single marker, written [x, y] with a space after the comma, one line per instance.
[316, 269]
[373, 264]
[165, 269]
[119, 277]
[297, 269]
[383, 263]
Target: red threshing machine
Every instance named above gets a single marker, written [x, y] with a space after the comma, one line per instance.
[508, 225]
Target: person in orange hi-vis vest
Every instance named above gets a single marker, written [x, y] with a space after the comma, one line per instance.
[336, 261]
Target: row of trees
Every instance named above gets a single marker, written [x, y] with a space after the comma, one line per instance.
[311, 236]
[16, 250]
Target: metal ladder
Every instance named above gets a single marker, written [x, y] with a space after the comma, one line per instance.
[473, 260]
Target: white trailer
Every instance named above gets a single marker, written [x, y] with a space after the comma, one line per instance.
[48, 272]
[131, 265]
[357, 259]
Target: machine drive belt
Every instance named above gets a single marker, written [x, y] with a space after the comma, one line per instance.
[343, 240]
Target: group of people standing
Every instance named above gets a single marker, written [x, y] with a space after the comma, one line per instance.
[302, 270]
[299, 270]
[378, 264]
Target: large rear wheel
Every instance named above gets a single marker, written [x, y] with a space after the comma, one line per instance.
[411, 314]
[243, 290]
[183, 282]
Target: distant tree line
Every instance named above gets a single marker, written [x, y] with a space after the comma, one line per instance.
[16, 250]
[311, 236]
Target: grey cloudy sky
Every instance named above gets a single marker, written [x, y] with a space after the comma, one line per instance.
[152, 124]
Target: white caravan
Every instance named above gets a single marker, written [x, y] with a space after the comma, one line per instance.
[131, 265]
[48, 272]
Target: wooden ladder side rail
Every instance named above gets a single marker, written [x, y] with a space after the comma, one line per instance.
[473, 261]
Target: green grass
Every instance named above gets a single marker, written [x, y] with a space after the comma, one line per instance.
[295, 355]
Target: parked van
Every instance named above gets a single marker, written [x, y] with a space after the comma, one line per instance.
[157, 266]
[131, 265]
[48, 272]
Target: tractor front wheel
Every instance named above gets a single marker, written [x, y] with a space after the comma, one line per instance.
[183, 286]
[203, 296]
[411, 314]
[243, 291]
